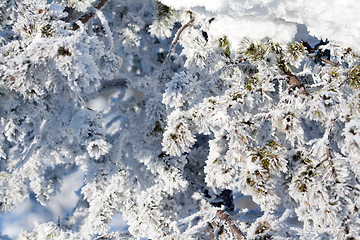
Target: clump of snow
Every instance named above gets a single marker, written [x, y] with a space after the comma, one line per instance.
[278, 19]
[254, 28]
[98, 148]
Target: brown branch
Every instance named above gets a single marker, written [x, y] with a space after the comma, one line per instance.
[177, 37]
[335, 64]
[85, 18]
[295, 83]
[222, 215]
[173, 44]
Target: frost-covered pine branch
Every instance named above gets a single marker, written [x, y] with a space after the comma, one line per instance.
[204, 112]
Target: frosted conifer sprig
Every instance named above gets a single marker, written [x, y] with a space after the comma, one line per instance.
[178, 137]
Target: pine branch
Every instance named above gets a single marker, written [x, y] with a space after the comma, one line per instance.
[85, 18]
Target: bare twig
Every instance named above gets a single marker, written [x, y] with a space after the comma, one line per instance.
[85, 18]
[335, 64]
[177, 37]
[222, 215]
[173, 44]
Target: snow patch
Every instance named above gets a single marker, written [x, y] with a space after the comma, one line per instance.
[277, 19]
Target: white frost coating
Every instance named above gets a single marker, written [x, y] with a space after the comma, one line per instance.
[184, 135]
[105, 24]
[336, 20]
[98, 148]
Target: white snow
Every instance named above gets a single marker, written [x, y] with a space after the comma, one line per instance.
[336, 20]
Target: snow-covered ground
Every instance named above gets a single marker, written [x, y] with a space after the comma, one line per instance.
[335, 20]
